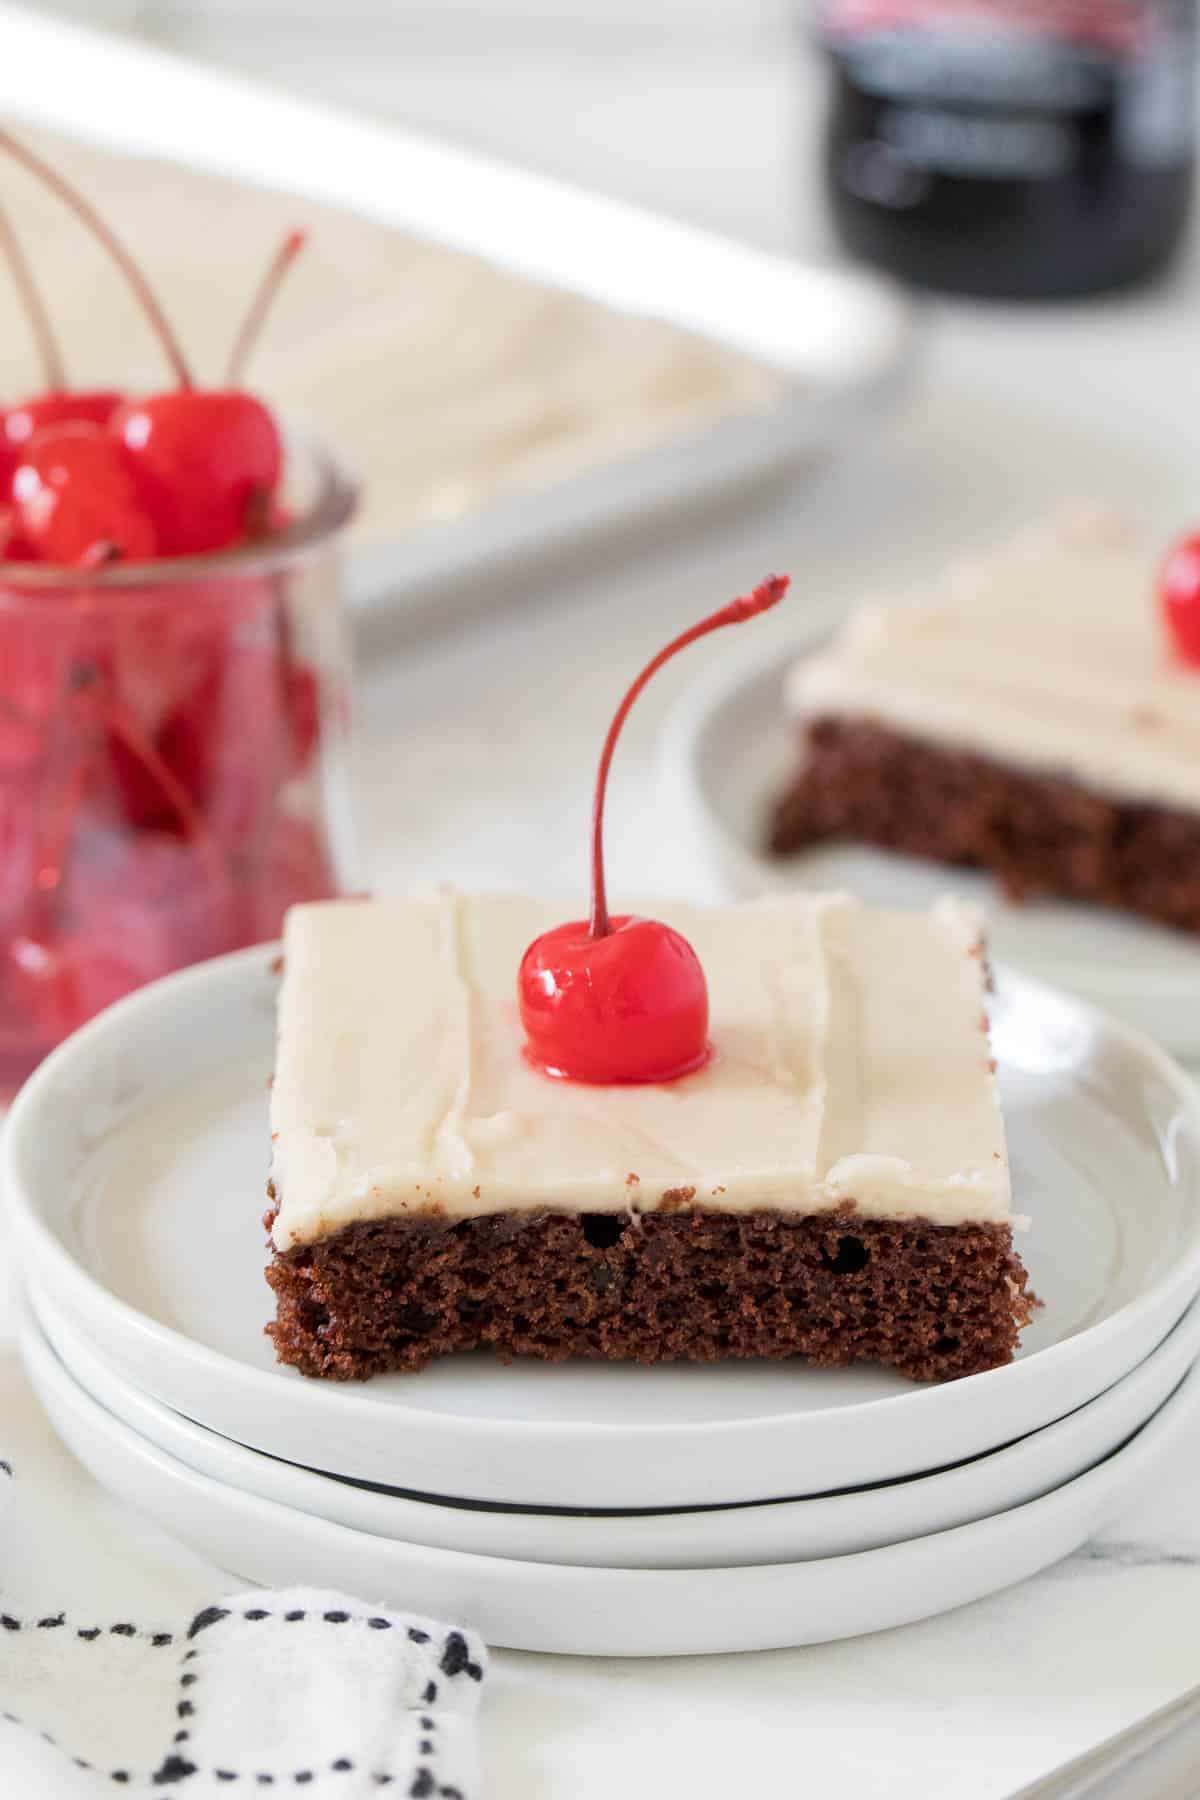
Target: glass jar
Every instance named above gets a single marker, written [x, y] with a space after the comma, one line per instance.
[173, 770]
[1011, 148]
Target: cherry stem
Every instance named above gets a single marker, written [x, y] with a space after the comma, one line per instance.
[44, 337]
[86, 212]
[748, 606]
[176, 795]
[261, 304]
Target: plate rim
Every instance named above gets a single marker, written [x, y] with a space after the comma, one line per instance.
[36, 1099]
[101, 1380]
[1106, 1485]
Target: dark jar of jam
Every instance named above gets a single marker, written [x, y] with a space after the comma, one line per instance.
[1011, 148]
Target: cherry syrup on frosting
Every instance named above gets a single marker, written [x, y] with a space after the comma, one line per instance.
[617, 998]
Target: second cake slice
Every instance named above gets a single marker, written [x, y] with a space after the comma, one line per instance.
[1027, 715]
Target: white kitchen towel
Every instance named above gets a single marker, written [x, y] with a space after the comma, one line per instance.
[300, 1690]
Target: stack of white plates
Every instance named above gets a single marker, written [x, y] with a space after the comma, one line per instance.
[589, 1508]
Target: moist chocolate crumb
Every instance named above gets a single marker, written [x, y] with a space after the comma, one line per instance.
[1038, 834]
[933, 1301]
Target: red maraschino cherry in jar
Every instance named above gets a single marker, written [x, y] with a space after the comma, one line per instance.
[173, 671]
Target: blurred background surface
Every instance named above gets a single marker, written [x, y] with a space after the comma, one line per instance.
[480, 739]
[695, 107]
[481, 748]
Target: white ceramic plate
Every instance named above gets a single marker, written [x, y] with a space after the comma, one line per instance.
[136, 1158]
[786, 1531]
[728, 750]
[606, 1612]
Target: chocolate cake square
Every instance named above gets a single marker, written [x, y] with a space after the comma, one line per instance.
[832, 1184]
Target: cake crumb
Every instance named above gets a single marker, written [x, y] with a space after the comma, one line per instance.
[530, 1304]
[633, 1181]
[674, 1198]
[474, 1193]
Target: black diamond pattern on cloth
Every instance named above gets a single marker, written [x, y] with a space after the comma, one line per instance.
[295, 1690]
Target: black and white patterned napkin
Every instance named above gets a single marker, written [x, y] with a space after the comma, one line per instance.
[297, 1691]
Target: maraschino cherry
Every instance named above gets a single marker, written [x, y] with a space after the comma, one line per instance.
[623, 999]
[77, 501]
[1179, 595]
[58, 404]
[209, 461]
[206, 463]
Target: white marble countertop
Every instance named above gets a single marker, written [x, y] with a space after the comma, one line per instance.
[478, 752]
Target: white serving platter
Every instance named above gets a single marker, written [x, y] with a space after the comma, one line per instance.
[726, 752]
[135, 1163]
[838, 337]
[607, 1612]
[784, 1531]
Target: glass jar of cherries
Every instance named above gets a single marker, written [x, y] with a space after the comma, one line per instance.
[173, 686]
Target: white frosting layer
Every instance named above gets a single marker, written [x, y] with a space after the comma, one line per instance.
[1049, 654]
[851, 1062]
